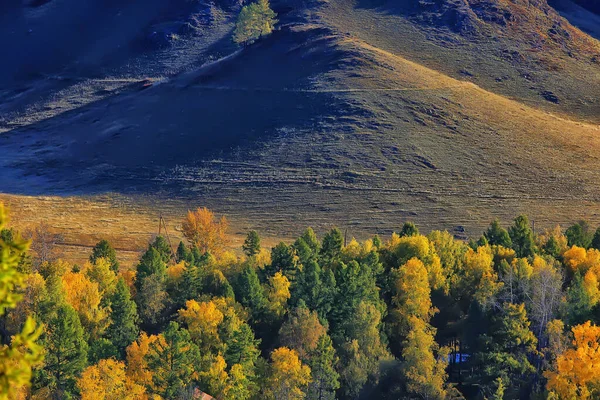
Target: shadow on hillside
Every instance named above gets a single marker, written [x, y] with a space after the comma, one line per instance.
[582, 18]
[404, 8]
[68, 33]
[23, 99]
[124, 142]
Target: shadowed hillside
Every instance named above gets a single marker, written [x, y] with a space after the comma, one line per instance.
[583, 14]
[353, 113]
[65, 54]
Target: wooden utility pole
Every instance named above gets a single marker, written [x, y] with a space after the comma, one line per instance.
[163, 224]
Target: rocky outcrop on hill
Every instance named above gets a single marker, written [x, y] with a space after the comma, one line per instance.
[533, 22]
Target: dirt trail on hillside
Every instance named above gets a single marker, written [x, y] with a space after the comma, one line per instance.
[344, 90]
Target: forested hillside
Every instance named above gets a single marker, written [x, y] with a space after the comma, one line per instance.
[511, 315]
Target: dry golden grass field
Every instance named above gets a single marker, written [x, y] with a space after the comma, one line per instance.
[83, 221]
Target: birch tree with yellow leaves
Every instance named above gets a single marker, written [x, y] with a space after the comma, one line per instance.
[18, 357]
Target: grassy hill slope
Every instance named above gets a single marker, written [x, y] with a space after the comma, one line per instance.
[351, 114]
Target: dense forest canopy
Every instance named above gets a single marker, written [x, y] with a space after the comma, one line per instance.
[511, 315]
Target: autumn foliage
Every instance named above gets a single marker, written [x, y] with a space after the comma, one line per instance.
[577, 371]
[508, 316]
[204, 231]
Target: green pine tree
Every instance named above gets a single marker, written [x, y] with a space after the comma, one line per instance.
[101, 349]
[331, 247]
[308, 286]
[579, 305]
[505, 351]
[183, 253]
[496, 235]
[551, 247]
[66, 352]
[173, 362]
[151, 263]
[521, 236]
[304, 252]
[243, 348]
[596, 240]
[123, 329]
[482, 241]
[310, 238]
[249, 291]
[323, 362]
[409, 229]
[251, 245]
[103, 249]
[578, 235]
[283, 259]
[191, 286]
[161, 245]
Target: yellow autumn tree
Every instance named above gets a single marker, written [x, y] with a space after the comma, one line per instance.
[262, 258]
[575, 257]
[19, 357]
[129, 277]
[412, 293]
[203, 320]
[480, 278]
[175, 272]
[424, 363]
[137, 365]
[228, 262]
[502, 253]
[288, 378]
[240, 386]
[85, 297]
[418, 246]
[582, 260]
[35, 290]
[352, 250]
[478, 263]
[204, 231]
[254, 21]
[278, 292]
[107, 380]
[590, 284]
[216, 378]
[224, 385]
[101, 273]
[577, 371]
[557, 235]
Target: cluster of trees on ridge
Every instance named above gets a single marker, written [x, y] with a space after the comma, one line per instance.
[510, 316]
